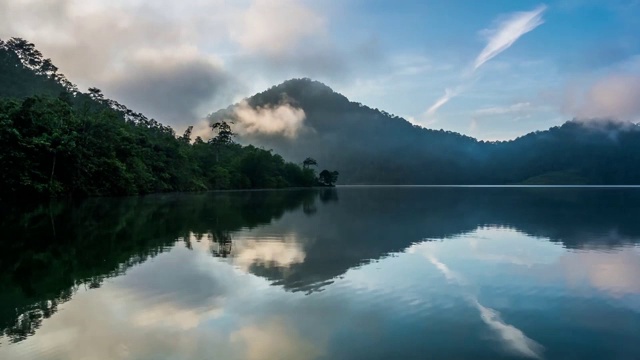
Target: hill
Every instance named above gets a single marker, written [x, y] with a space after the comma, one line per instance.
[370, 146]
[58, 141]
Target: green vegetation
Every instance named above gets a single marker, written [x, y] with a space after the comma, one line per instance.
[58, 141]
[328, 178]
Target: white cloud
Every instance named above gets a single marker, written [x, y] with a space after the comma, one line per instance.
[175, 63]
[518, 108]
[507, 32]
[473, 125]
[612, 97]
[448, 95]
[202, 129]
[276, 27]
[283, 119]
[499, 39]
[137, 53]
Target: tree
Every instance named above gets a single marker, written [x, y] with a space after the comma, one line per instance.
[96, 94]
[223, 138]
[225, 135]
[328, 178]
[186, 137]
[309, 162]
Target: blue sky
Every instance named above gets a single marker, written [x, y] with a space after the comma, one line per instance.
[180, 61]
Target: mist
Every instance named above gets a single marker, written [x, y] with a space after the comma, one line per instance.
[281, 119]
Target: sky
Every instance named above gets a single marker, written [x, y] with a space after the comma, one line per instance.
[490, 69]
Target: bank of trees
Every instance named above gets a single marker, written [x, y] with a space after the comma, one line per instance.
[52, 148]
[57, 141]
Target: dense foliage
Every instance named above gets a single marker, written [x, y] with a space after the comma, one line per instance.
[58, 141]
[369, 146]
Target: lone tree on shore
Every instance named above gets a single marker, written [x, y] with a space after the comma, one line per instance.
[328, 178]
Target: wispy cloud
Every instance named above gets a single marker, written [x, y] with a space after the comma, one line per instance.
[501, 110]
[500, 38]
[612, 97]
[507, 32]
[448, 95]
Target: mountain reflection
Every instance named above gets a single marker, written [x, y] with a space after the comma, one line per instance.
[301, 240]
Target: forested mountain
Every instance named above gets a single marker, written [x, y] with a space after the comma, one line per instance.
[369, 146]
[59, 141]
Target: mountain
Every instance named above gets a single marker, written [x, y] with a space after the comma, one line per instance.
[370, 146]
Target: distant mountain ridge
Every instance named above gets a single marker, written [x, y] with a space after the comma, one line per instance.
[370, 146]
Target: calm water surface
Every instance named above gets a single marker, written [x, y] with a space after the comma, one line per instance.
[347, 273]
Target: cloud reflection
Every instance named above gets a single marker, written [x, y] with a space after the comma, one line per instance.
[616, 273]
[274, 339]
[513, 339]
[511, 336]
[279, 252]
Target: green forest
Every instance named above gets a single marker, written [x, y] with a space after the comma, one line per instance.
[58, 141]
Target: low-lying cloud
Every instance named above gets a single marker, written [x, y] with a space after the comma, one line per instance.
[613, 97]
[283, 119]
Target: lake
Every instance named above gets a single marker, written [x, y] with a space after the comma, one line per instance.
[344, 273]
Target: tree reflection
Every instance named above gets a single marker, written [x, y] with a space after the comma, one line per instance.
[49, 251]
[221, 244]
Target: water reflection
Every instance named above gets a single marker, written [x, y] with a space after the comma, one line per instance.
[48, 253]
[368, 273]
